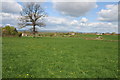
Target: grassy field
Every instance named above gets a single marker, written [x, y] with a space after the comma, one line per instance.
[59, 57]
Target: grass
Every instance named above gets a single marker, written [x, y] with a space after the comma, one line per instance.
[59, 57]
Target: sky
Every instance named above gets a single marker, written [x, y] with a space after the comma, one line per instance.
[101, 17]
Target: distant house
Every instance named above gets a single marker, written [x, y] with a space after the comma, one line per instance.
[24, 34]
[72, 33]
[99, 34]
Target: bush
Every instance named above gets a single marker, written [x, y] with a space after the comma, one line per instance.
[10, 31]
[52, 34]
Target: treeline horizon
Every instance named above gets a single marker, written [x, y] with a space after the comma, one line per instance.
[52, 31]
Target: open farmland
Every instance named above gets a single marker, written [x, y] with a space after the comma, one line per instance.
[60, 57]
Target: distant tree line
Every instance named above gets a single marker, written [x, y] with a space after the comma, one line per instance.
[10, 31]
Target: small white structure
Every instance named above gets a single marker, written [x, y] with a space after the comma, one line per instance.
[72, 33]
[99, 34]
[24, 34]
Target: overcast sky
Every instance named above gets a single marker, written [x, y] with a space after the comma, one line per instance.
[69, 16]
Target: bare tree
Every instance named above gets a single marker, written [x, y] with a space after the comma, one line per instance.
[32, 15]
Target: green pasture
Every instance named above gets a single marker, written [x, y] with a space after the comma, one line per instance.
[59, 57]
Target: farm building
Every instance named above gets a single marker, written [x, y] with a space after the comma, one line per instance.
[24, 34]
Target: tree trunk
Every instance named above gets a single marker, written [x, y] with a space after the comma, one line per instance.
[34, 31]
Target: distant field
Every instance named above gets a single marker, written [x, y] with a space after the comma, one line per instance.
[60, 57]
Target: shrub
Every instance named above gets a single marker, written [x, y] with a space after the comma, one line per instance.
[9, 31]
[52, 34]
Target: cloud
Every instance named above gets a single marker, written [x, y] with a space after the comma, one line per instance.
[10, 12]
[100, 27]
[74, 22]
[32, 0]
[9, 18]
[74, 9]
[82, 25]
[83, 20]
[56, 21]
[66, 24]
[107, 0]
[11, 7]
[23, 0]
[110, 14]
[7, 0]
[73, 0]
[103, 27]
[85, 0]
